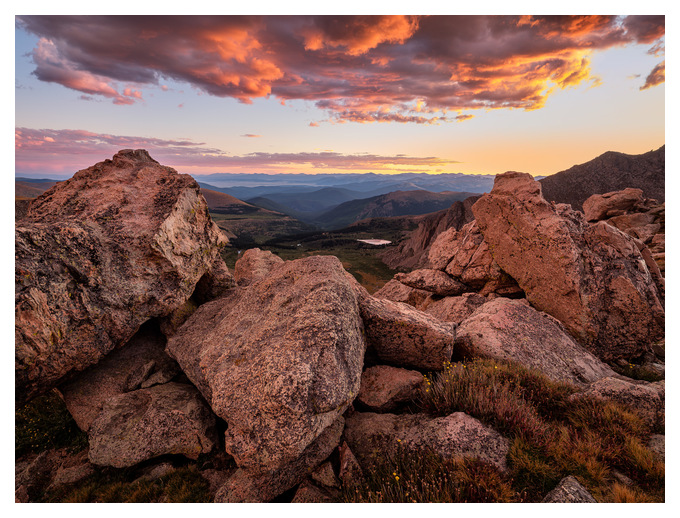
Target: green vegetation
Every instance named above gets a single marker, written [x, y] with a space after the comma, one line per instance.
[184, 484]
[45, 423]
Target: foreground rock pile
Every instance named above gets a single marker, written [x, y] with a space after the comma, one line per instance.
[290, 368]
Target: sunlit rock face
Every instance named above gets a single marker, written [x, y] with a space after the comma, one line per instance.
[98, 255]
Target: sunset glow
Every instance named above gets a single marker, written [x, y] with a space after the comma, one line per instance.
[472, 94]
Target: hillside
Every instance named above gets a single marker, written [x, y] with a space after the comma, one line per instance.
[399, 203]
[609, 172]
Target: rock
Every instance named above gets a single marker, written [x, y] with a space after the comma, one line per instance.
[247, 486]
[140, 363]
[254, 265]
[402, 336]
[35, 474]
[592, 278]
[154, 472]
[384, 388]
[507, 329]
[325, 476]
[434, 281]
[569, 491]
[657, 443]
[216, 478]
[453, 309]
[615, 203]
[396, 291]
[172, 322]
[658, 244]
[444, 248]
[73, 469]
[147, 423]
[100, 254]
[646, 399]
[375, 437]
[350, 472]
[21, 207]
[309, 493]
[413, 251]
[278, 360]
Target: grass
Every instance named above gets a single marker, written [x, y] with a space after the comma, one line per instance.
[552, 436]
[184, 484]
[45, 423]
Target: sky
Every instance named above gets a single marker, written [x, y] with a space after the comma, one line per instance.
[337, 94]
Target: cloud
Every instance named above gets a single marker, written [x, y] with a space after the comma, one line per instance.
[67, 151]
[251, 135]
[656, 76]
[408, 69]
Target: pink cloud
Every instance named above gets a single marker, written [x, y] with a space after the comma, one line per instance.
[66, 151]
[656, 76]
[358, 68]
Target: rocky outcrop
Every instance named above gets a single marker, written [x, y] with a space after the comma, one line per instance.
[616, 203]
[402, 336]
[609, 172]
[278, 360]
[165, 419]
[96, 256]
[592, 278]
[141, 363]
[413, 251]
[465, 256]
[507, 329]
[375, 437]
[248, 486]
[569, 491]
[254, 265]
[384, 388]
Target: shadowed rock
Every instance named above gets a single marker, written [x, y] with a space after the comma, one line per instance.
[402, 336]
[592, 278]
[569, 491]
[141, 363]
[278, 360]
[97, 255]
[374, 437]
[507, 329]
[384, 388]
[140, 425]
[247, 486]
[254, 265]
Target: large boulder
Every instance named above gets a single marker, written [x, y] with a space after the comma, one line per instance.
[615, 203]
[376, 437]
[165, 419]
[278, 360]
[254, 265]
[592, 278]
[403, 336]
[507, 329]
[141, 363]
[100, 254]
[248, 486]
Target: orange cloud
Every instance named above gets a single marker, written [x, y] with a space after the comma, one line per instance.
[656, 76]
[409, 69]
